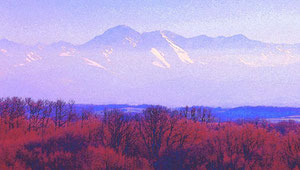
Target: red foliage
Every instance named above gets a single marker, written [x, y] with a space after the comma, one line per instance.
[52, 135]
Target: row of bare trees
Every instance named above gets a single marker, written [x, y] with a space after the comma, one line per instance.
[40, 112]
[62, 113]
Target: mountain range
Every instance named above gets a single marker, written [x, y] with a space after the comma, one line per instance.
[159, 67]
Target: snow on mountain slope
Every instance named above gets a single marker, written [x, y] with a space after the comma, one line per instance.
[107, 53]
[93, 63]
[67, 52]
[3, 51]
[183, 55]
[161, 58]
[32, 56]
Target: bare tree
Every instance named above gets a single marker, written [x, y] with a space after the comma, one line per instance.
[46, 113]
[35, 110]
[117, 128]
[60, 110]
[71, 113]
[86, 113]
[205, 115]
[152, 128]
[12, 110]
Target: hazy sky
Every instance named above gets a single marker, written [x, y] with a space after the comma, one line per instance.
[77, 21]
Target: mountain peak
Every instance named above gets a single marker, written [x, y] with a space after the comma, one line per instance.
[61, 43]
[171, 34]
[120, 29]
[168, 32]
[239, 36]
[204, 37]
[5, 41]
[114, 35]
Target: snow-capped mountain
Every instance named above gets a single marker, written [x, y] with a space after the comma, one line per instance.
[159, 67]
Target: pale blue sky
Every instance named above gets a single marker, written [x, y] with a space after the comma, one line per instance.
[77, 21]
